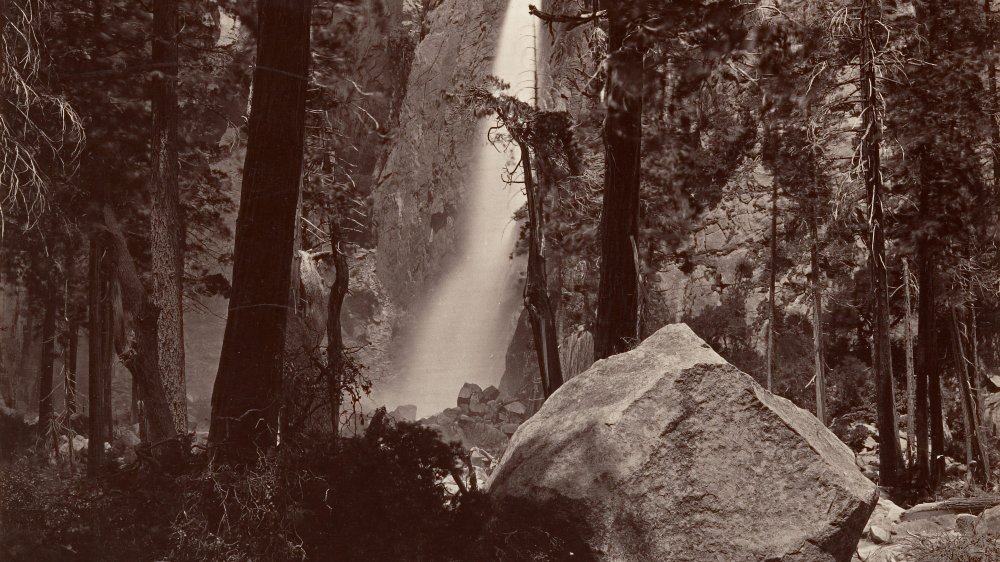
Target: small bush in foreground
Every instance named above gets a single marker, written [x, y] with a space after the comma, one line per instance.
[954, 548]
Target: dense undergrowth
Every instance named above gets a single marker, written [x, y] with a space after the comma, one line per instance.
[375, 497]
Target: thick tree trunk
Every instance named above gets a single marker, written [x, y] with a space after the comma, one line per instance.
[536, 292]
[97, 431]
[46, 410]
[617, 325]
[890, 458]
[166, 231]
[246, 399]
[817, 297]
[911, 391]
[334, 332]
[772, 281]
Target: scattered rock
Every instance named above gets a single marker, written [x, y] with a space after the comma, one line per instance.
[509, 428]
[879, 535]
[989, 522]
[491, 393]
[966, 523]
[657, 454]
[468, 391]
[516, 409]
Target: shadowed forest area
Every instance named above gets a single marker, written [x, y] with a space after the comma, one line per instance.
[494, 280]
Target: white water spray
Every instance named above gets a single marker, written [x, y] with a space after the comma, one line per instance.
[464, 330]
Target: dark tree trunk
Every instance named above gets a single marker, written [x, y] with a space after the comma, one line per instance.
[72, 337]
[166, 231]
[890, 458]
[334, 333]
[965, 375]
[617, 327]
[46, 410]
[536, 293]
[817, 296]
[772, 279]
[97, 430]
[926, 360]
[246, 398]
[140, 357]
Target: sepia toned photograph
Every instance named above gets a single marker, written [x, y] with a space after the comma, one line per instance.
[499, 281]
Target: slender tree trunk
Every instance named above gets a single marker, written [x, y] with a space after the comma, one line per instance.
[617, 325]
[536, 292]
[246, 399]
[972, 441]
[334, 332]
[817, 294]
[108, 353]
[911, 391]
[97, 425]
[772, 281]
[72, 338]
[890, 458]
[46, 410]
[928, 373]
[166, 231]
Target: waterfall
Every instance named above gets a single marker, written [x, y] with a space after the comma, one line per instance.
[462, 333]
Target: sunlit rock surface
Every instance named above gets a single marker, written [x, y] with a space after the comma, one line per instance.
[668, 452]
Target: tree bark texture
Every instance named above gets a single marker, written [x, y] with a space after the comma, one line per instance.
[46, 409]
[617, 324]
[141, 355]
[890, 458]
[536, 292]
[335, 360]
[817, 298]
[911, 391]
[246, 399]
[772, 279]
[97, 431]
[166, 230]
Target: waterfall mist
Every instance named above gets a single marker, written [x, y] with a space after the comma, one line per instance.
[462, 332]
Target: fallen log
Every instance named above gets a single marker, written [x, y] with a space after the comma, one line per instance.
[974, 506]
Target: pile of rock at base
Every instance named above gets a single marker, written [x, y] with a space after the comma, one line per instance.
[482, 418]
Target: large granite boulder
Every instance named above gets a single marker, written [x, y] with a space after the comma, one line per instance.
[667, 452]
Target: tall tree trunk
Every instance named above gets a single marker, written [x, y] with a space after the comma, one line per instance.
[772, 281]
[46, 410]
[536, 288]
[991, 77]
[817, 297]
[334, 332]
[246, 398]
[97, 425]
[617, 325]
[890, 458]
[973, 450]
[911, 391]
[166, 231]
[929, 419]
[72, 337]
[140, 356]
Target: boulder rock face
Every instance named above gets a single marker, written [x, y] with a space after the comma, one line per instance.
[667, 452]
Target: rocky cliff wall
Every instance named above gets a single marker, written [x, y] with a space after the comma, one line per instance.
[419, 189]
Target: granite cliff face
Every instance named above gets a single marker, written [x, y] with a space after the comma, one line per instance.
[420, 187]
